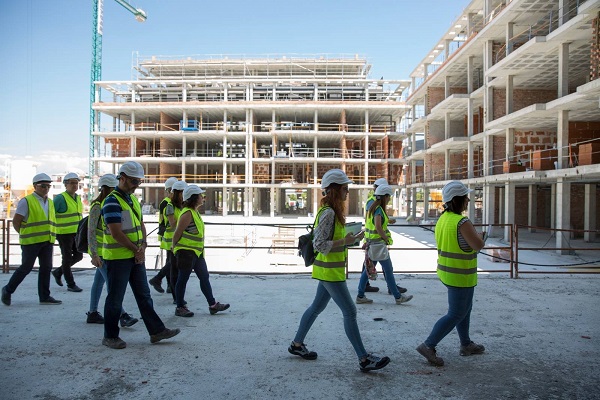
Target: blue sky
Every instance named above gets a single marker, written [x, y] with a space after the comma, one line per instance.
[45, 50]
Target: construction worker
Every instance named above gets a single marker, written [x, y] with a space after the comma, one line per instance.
[124, 247]
[35, 221]
[163, 223]
[69, 211]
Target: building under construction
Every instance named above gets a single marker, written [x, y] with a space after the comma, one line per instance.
[508, 101]
[256, 133]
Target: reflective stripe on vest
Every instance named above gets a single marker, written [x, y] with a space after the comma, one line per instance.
[67, 222]
[161, 217]
[99, 231]
[332, 267]
[191, 241]
[455, 267]
[371, 234]
[167, 240]
[39, 228]
[130, 225]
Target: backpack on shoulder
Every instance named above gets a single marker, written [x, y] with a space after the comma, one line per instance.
[81, 237]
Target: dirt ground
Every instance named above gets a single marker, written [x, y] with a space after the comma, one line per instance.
[541, 333]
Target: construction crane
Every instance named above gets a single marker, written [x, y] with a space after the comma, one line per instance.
[139, 15]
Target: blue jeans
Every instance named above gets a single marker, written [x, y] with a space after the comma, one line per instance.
[338, 291]
[460, 303]
[99, 279]
[119, 273]
[41, 251]
[388, 273]
[187, 261]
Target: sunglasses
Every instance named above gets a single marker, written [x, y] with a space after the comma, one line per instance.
[135, 181]
[44, 185]
[72, 182]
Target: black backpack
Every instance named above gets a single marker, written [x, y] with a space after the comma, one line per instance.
[305, 245]
[81, 237]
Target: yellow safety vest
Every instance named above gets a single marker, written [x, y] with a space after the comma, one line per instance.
[332, 267]
[190, 241]
[455, 267]
[99, 231]
[130, 225]
[167, 240]
[370, 197]
[39, 228]
[67, 222]
[371, 234]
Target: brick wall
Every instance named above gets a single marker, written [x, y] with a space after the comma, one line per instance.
[498, 153]
[521, 98]
[434, 167]
[458, 164]
[435, 95]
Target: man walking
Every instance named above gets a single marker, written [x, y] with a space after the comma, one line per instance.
[124, 252]
[35, 222]
[69, 210]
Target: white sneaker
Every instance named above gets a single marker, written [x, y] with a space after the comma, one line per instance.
[363, 300]
[404, 298]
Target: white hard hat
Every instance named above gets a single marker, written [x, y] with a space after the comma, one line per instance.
[334, 176]
[453, 189]
[71, 175]
[179, 185]
[191, 190]
[383, 190]
[41, 178]
[132, 169]
[109, 180]
[169, 183]
[380, 181]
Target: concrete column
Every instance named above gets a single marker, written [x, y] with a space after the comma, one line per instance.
[487, 9]
[471, 206]
[488, 152]
[316, 92]
[563, 69]
[509, 207]
[470, 23]
[489, 204]
[425, 203]
[413, 86]
[225, 92]
[509, 34]
[509, 94]
[532, 208]
[488, 95]
[447, 49]
[563, 214]
[183, 145]
[589, 212]
[272, 203]
[184, 93]
[562, 11]
[425, 73]
[510, 143]
[553, 207]
[413, 203]
[470, 163]
[413, 172]
[447, 164]
[562, 139]
[446, 86]
[501, 205]
[470, 124]
[470, 74]
[447, 125]
[133, 95]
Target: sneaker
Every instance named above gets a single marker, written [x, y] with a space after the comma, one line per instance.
[404, 298]
[94, 317]
[50, 300]
[363, 300]
[471, 348]
[430, 355]
[166, 334]
[215, 308]
[302, 351]
[370, 288]
[127, 320]
[155, 283]
[114, 343]
[400, 289]
[74, 288]
[57, 277]
[5, 296]
[372, 362]
[183, 312]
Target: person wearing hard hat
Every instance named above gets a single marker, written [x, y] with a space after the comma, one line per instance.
[106, 184]
[69, 211]
[188, 247]
[171, 213]
[163, 223]
[329, 268]
[35, 222]
[458, 244]
[378, 238]
[124, 246]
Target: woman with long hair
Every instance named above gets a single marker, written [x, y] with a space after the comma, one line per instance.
[188, 246]
[379, 236]
[329, 268]
[171, 214]
[458, 244]
[95, 237]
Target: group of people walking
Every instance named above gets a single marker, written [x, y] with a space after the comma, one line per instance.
[458, 245]
[117, 244]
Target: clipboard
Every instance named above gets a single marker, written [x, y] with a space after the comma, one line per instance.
[354, 228]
